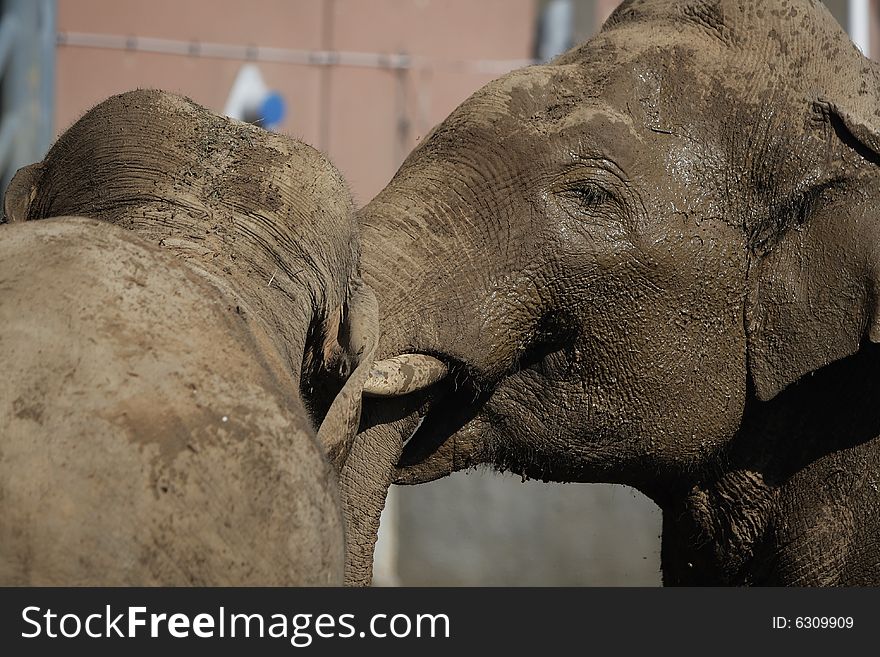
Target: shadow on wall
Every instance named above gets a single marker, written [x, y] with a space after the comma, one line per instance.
[484, 529]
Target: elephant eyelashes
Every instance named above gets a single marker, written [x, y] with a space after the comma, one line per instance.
[588, 196]
[583, 199]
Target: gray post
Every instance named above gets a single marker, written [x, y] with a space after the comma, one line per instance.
[27, 83]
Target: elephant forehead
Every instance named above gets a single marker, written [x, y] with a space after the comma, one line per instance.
[296, 169]
[519, 95]
[739, 24]
[794, 48]
[599, 130]
[642, 86]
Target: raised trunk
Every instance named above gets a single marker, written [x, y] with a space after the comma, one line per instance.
[446, 266]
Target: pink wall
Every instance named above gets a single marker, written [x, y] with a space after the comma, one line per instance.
[604, 9]
[359, 127]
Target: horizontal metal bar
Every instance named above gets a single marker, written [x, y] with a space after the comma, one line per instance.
[285, 55]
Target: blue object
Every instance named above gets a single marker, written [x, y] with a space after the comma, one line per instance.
[272, 110]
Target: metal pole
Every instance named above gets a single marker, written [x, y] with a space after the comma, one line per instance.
[859, 24]
[27, 66]
[326, 80]
[21, 101]
[48, 35]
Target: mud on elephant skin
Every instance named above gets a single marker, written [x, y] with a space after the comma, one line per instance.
[652, 261]
[170, 350]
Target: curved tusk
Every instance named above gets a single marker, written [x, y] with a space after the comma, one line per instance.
[403, 374]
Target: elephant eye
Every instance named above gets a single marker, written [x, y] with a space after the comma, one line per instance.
[588, 195]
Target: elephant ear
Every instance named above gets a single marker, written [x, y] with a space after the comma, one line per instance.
[21, 192]
[358, 331]
[814, 297]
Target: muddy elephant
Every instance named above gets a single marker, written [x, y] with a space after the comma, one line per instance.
[175, 330]
[653, 261]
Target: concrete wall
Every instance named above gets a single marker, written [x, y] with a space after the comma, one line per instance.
[492, 530]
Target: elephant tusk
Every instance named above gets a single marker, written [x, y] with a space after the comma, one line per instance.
[403, 374]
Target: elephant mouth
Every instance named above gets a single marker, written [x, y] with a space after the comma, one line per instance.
[442, 433]
[443, 441]
[447, 412]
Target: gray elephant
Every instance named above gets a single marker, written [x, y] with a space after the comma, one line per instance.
[653, 261]
[173, 332]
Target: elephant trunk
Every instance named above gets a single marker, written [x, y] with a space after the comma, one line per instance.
[441, 263]
[364, 481]
[408, 242]
[402, 251]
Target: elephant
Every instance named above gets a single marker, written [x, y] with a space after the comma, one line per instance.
[185, 338]
[652, 261]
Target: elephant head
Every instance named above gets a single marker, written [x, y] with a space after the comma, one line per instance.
[625, 255]
[183, 363]
[266, 216]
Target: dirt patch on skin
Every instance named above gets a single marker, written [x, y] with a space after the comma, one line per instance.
[29, 409]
